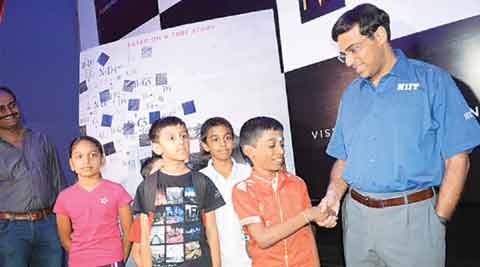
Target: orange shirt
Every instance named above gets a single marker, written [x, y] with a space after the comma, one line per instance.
[273, 201]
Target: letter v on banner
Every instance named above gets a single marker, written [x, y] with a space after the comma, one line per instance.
[2, 7]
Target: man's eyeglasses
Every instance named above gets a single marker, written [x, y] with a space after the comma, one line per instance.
[351, 50]
[7, 107]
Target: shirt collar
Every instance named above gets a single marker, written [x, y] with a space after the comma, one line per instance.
[276, 182]
[399, 69]
[232, 175]
[27, 132]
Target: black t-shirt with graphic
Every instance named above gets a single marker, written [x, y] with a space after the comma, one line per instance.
[177, 237]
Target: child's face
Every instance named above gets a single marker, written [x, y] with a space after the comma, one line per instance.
[268, 153]
[173, 143]
[86, 160]
[219, 143]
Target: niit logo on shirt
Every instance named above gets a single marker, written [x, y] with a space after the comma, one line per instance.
[407, 86]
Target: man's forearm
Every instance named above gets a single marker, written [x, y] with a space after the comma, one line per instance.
[456, 169]
[337, 184]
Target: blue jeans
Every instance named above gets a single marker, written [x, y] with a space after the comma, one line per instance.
[25, 243]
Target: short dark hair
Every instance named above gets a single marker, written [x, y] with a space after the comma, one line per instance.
[8, 91]
[90, 139]
[253, 128]
[368, 18]
[212, 122]
[159, 124]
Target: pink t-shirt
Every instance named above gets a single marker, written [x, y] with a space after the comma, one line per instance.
[94, 215]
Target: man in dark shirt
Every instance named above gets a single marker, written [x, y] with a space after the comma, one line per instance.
[30, 179]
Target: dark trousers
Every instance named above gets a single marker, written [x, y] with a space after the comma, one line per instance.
[25, 243]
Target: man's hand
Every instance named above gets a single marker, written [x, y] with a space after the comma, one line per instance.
[329, 204]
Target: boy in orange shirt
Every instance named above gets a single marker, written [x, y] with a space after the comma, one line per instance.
[273, 205]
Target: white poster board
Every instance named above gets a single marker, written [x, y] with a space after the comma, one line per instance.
[225, 67]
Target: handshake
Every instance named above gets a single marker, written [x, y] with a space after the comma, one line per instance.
[326, 212]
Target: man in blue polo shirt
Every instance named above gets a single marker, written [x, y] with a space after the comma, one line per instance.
[403, 128]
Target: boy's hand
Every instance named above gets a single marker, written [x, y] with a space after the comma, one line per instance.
[316, 214]
[330, 204]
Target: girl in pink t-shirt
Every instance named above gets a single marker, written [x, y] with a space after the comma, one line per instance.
[88, 211]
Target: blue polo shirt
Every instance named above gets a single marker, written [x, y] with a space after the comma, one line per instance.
[396, 136]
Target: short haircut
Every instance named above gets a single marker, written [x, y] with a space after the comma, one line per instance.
[90, 139]
[212, 122]
[159, 124]
[8, 91]
[368, 18]
[254, 128]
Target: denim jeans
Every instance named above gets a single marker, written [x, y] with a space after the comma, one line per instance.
[25, 243]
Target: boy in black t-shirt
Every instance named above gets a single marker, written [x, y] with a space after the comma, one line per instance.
[170, 231]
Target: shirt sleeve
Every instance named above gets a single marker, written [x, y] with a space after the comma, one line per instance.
[59, 207]
[56, 173]
[459, 130]
[123, 196]
[213, 198]
[245, 204]
[137, 206]
[336, 146]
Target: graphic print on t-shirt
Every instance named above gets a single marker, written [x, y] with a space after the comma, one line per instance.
[192, 250]
[190, 195]
[176, 229]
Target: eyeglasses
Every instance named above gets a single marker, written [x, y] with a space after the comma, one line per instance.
[9, 106]
[354, 49]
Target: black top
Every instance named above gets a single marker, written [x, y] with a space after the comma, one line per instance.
[177, 237]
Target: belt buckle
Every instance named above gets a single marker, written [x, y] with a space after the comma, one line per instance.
[367, 199]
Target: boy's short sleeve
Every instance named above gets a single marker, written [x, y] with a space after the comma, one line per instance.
[245, 204]
[137, 206]
[213, 198]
